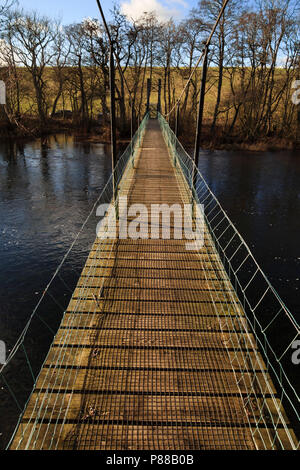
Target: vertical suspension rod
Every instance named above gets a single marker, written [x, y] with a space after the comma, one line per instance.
[110, 40]
[200, 117]
[112, 116]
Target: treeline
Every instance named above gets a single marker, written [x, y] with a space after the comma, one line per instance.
[54, 70]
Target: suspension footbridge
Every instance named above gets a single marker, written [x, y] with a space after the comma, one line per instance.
[158, 349]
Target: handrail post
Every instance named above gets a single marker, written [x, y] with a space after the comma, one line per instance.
[177, 120]
[131, 133]
[131, 122]
[159, 97]
[113, 119]
[139, 132]
[148, 95]
[200, 117]
[176, 130]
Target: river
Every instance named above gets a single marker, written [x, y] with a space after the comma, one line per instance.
[47, 188]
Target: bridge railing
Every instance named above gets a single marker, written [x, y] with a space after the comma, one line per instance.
[25, 356]
[130, 151]
[275, 329]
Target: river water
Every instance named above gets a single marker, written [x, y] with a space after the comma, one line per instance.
[261, 194]
[47, 188]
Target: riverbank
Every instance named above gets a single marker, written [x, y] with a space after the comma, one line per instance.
[29, 128]
[270, 144]
[221, 141]
[266, 144]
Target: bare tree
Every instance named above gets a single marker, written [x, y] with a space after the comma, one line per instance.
[31, 37]
[61, 50]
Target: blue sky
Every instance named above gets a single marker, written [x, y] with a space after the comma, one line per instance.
[70, 11]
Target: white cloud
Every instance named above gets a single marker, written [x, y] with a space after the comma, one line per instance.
[134, 9]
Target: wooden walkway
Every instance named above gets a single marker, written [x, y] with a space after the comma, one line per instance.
[147, 362]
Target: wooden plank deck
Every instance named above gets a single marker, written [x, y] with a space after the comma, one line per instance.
[149, 350]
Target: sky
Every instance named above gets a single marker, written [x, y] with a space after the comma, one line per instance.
[70, 11]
